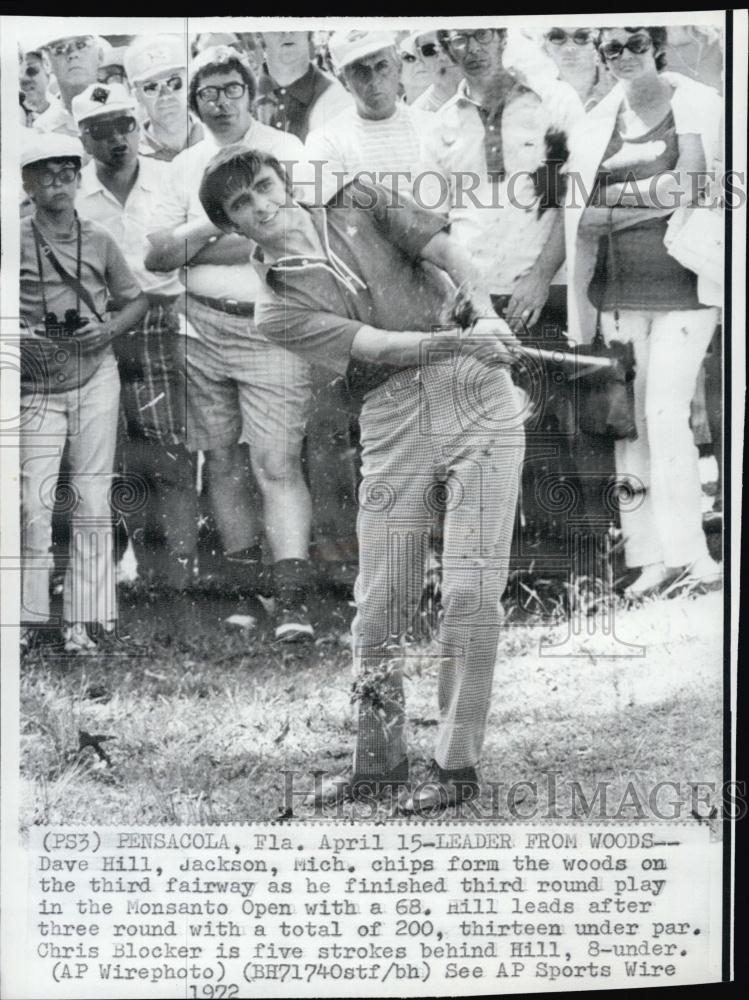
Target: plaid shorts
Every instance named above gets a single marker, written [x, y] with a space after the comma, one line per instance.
[151, 361]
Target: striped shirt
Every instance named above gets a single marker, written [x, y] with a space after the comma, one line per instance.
[352, 145]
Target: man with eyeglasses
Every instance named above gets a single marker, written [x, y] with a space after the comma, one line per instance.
[33, 82]
[156, 66]
[74, 60]
[292, 93]
[500, 145]
[241, 389]
[380, 136]
[122, 191]
[444, 73]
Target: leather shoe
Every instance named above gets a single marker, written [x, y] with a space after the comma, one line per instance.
[337, 788]
[441, 790]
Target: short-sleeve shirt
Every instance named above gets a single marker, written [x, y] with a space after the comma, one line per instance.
[373, 275]
[104, 272]
[130, 223]
[351, 145]
[302, 106]
[182, 204]
[493, 164]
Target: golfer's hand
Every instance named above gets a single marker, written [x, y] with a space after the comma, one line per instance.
[494, 340]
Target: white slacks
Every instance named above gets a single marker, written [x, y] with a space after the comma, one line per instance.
[662, 522]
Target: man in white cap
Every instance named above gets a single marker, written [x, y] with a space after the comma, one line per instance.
[241, 389]
[156, 66]
[72, 274]
[123, 192]
[292, 93]
[74, 60]
[380, 136]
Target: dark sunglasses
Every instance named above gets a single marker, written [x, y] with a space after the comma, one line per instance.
[429, 49]
[73, 45]
[637, 46]
[211, 94]
[558, 36]
[105, 130]
[154, 87]
[47, 178]
[31, 70]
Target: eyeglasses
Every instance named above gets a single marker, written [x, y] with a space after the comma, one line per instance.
[429, 49]
[31, 71]
[105, 130]
[49, 178]
[637, 46]
[558, 36]
[73, 45]
[459, 41]
[154, 87]
[211, 94]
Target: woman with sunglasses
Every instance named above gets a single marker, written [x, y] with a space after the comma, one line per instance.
[634, 159]
[572, 50]
[444, 73]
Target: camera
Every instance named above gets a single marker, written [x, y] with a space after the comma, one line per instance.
[72, 321]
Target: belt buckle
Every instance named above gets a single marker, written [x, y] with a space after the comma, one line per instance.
[231, 305]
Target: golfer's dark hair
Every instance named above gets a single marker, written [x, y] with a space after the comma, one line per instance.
[232, 169]
[222, 66]
[658, 36]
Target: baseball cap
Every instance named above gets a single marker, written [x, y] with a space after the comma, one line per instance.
[151, 54]
[347, 47]
[101, 99]
[37, 146]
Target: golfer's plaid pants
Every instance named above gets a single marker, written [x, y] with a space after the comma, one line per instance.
[444, 441]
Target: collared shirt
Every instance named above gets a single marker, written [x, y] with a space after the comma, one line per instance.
[302, 106]
[377, 148]
[493, 163]
[182, 204]
[58, 119]
[130, 223]
[372, 274]
[151, 147]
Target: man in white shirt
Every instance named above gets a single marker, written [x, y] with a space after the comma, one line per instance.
[443, 72]
[241, 389]
[380, 136]
[123, 191]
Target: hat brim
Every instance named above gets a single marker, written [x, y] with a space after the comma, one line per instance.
[366, 50]
[159, 71]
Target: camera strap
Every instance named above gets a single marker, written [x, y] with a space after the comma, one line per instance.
[81, 292]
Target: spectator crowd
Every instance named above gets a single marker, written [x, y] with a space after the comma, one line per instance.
[229, 245]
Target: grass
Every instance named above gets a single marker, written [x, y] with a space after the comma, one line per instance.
[198, 726]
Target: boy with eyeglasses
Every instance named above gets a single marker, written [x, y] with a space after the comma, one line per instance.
[123, 191]
[71, 270]
[241, 389]
[156, 66]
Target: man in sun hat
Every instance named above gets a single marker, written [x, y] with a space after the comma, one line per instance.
[74, 60]
[123, 191]
[156, 66]
[380, 135]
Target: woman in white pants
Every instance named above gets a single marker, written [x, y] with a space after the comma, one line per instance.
[633, 162]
